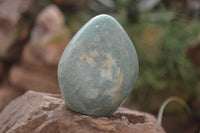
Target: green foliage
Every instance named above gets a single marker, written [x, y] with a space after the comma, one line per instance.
[121, 4]
[161, 47]
[45, 2]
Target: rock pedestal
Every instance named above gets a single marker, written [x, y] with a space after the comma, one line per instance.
[36, 112]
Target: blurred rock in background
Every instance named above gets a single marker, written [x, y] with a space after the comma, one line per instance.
[79, 3]
[193, 7]
[146, 5]
[49, 36]
[30, 78]
[38, 67]
[15, 23]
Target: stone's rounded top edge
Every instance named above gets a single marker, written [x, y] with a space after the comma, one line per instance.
[91, 21]
[104, 16]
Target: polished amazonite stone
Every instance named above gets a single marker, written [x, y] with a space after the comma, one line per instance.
[98, 68]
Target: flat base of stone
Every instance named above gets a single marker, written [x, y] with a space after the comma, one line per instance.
[36, 112]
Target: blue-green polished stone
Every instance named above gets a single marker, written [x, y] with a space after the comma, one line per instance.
[98, 68]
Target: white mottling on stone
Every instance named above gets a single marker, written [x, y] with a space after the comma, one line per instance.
[118, 72]
[95, 53]
[88, 78]
[96, 38]
[92, 93]
[109, 65]
[106, 74]
[106, 33]
[97, 26]
[75, 44]
[115, 91]
[111, 59]
[112, 91]
[89, 58]
[90, 61]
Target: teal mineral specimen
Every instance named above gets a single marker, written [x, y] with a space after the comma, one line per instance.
[98, 68]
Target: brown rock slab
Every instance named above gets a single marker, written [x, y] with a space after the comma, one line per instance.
[46, 113]
[8, 94]
[34, 78]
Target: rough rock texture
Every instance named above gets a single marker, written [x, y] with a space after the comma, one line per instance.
[7, 94]
[37, 79]
[14, 26]
[46, 113]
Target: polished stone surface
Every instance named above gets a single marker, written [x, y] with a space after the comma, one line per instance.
[98, 68]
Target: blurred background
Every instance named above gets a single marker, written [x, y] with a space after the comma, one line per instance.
[166, 35]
